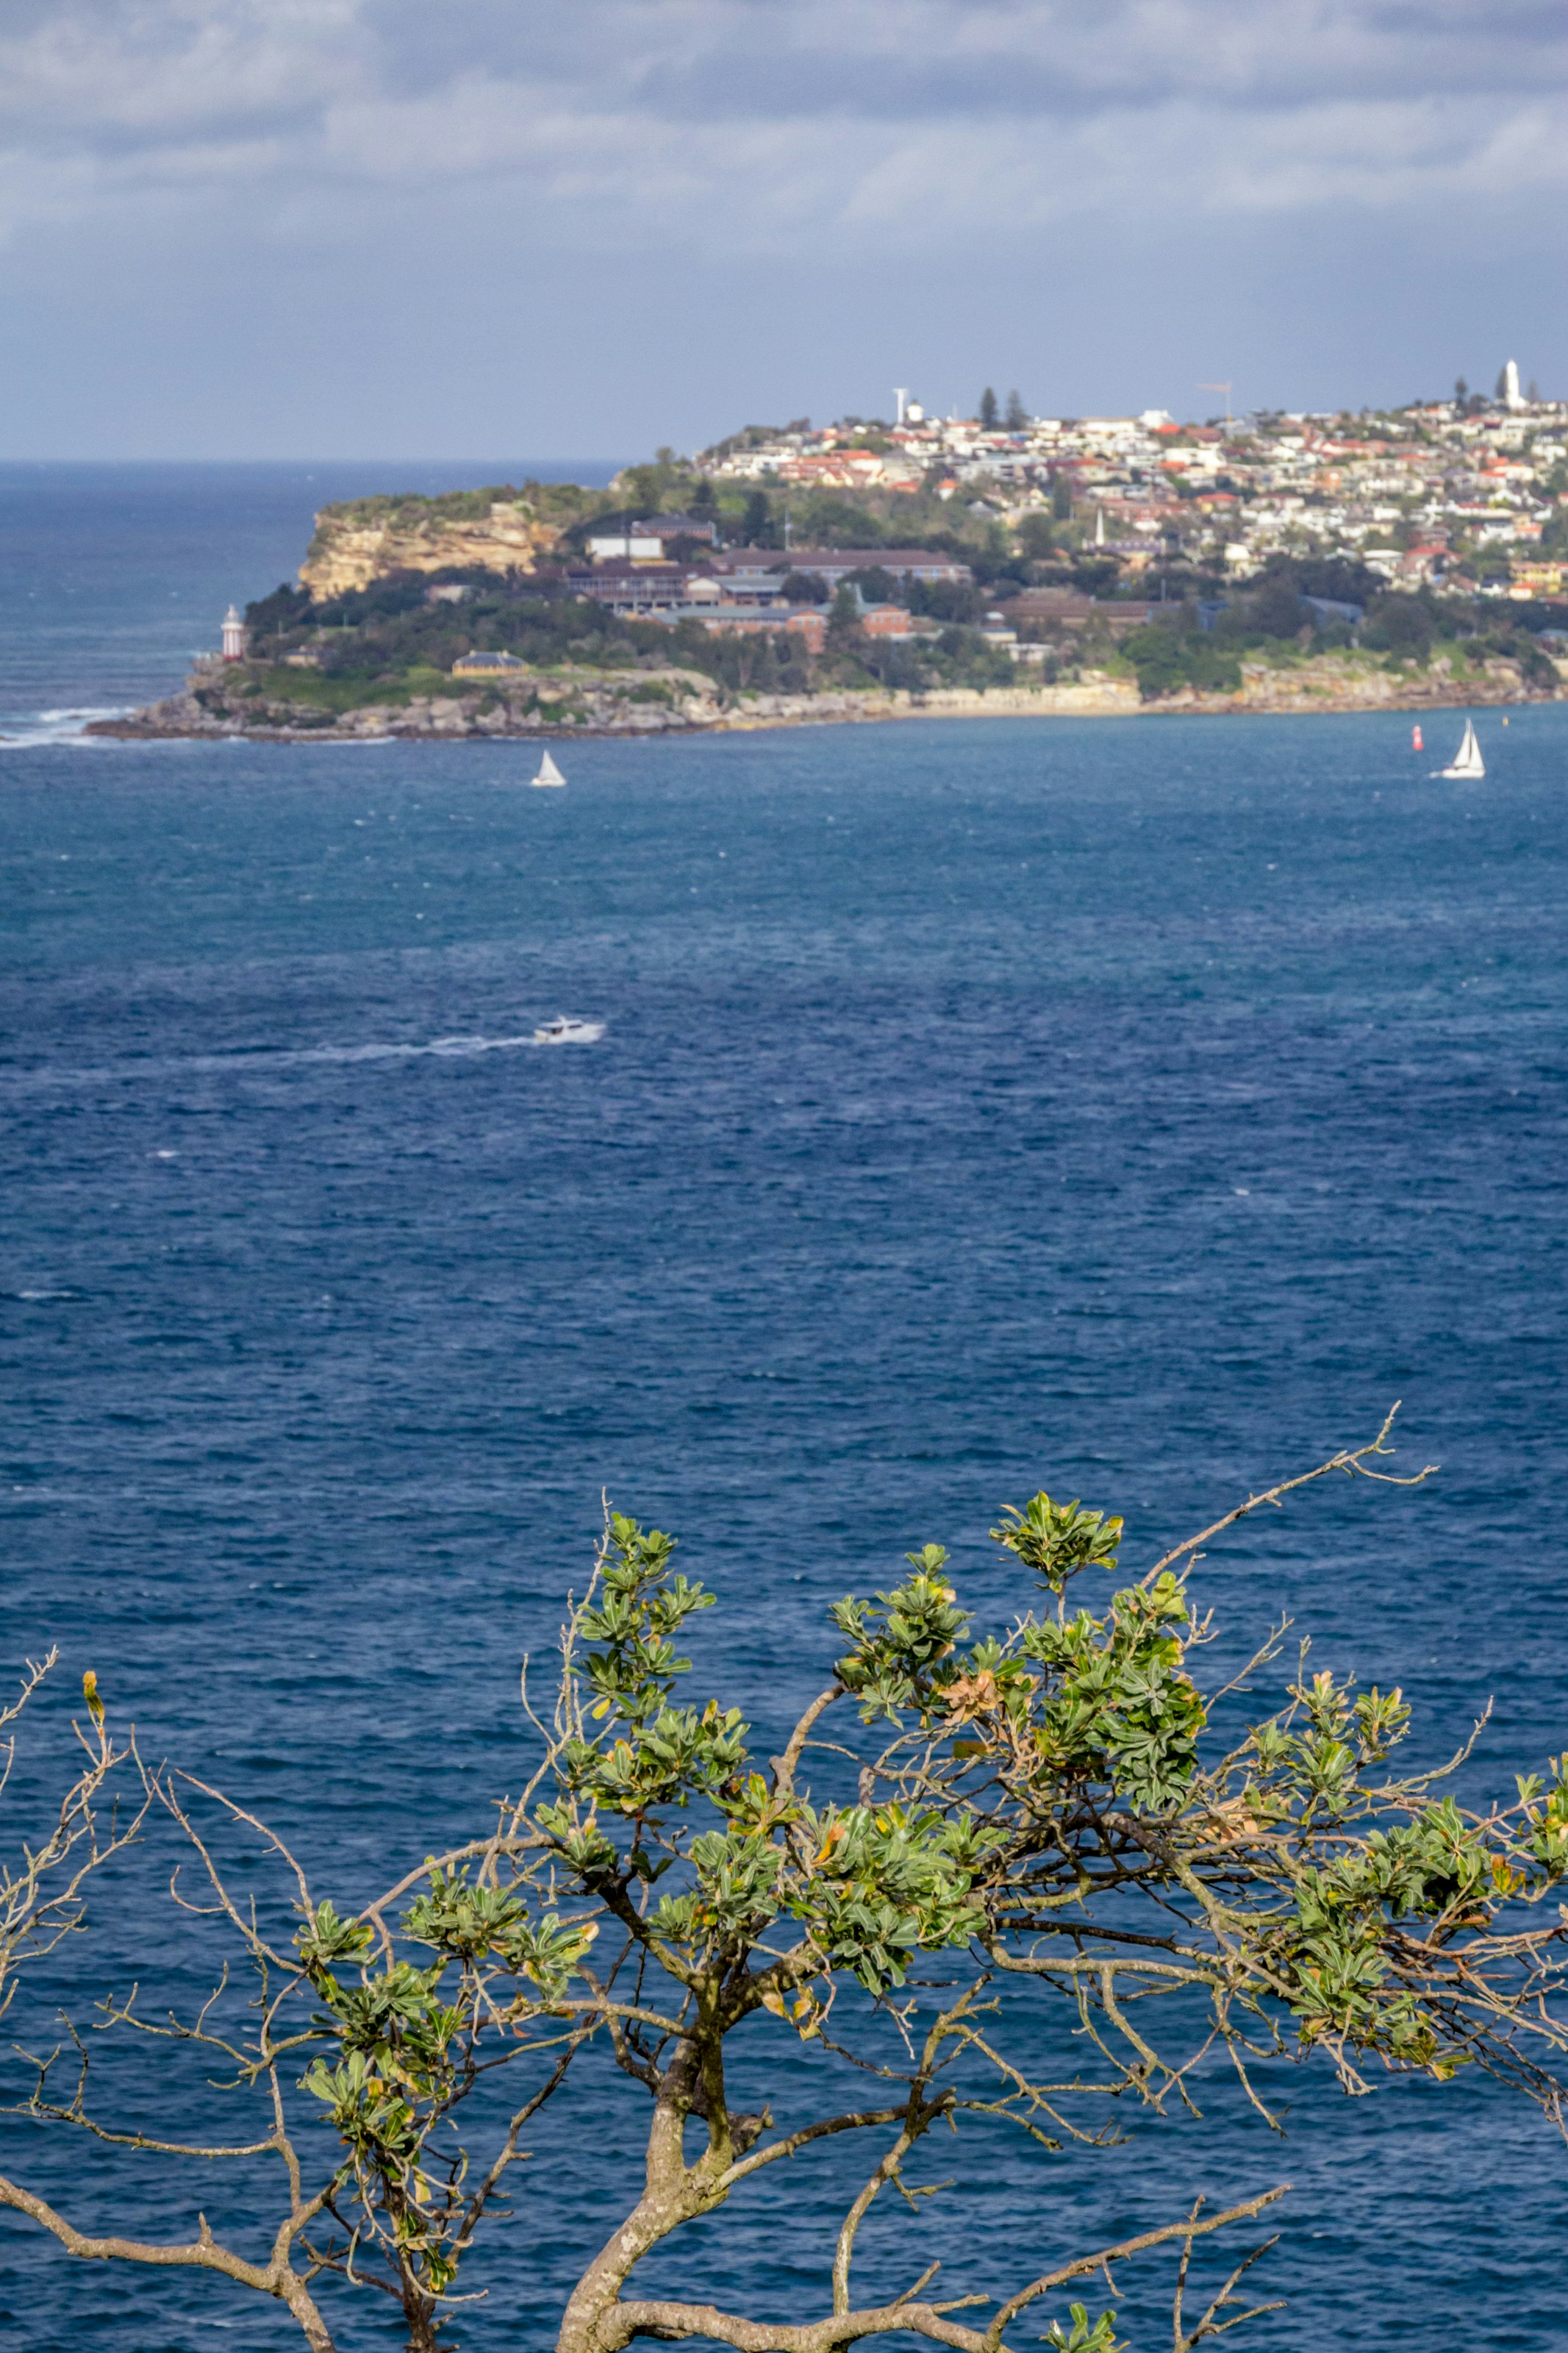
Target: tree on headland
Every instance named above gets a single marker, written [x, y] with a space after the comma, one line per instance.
[1461, 392]
[757, 523]
[988, 409]
[1017, 417]
[968, 1839]
[844, 619]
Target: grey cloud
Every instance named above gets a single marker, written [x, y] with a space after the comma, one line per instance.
[759, 120]
[708, 61]
[712, 61]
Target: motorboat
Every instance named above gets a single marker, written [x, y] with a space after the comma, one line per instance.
[1467, 761]
[565, 1031]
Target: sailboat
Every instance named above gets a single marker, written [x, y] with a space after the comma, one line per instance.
[549, 774]
[1467, 761]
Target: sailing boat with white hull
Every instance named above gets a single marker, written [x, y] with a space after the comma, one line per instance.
[549, 774]
[1467, 761]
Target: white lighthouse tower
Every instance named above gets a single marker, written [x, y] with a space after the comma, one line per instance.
[233, 635]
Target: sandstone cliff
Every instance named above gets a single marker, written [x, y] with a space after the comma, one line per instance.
[365, 539]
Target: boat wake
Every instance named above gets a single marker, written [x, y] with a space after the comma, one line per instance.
[457, 1048]
[389, 1052]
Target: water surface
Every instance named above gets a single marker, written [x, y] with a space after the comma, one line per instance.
[1132, 1108]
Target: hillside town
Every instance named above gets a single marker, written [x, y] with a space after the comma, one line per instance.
[1468, 496]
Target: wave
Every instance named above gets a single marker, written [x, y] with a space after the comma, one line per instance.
[20, 729]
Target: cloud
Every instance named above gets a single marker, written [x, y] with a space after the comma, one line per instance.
[750, 126]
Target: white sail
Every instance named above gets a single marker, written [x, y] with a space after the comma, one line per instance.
[549, 774]
[1467, 761]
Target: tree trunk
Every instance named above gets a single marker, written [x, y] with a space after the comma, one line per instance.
[672, 2195]
[421, 2317]
[306, 2311]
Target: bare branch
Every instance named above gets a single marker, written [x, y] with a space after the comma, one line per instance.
[1354, 1460]
[1193, 2227]
[203, 2253]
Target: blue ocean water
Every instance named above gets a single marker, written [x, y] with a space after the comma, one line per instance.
[1136, 1108]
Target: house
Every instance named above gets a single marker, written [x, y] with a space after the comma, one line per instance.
[645, 543]
[886, 621]
[638, 546]
[834, 469]
[1538, 579]
[680, 526]
[1065, 609]
[628, 587]
[834, 564]
[807, 621]
[748, 576]
[483, 665]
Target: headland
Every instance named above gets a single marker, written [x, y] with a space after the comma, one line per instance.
[930, 568]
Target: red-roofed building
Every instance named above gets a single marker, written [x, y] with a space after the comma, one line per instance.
[886, 621]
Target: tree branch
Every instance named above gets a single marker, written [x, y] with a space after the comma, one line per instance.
[1190, 2230]
[203, 2253]
[1351, 1460]
[784, 1766]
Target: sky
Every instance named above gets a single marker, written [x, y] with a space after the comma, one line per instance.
[500, 229]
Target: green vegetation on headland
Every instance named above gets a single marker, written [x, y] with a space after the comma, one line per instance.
[383, 637]
[1411, 636]
[389, 647]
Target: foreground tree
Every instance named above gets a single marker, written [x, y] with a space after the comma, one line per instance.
[43, 1881]
[1010, 1834]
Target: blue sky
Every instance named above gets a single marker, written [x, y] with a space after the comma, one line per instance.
[500, 229]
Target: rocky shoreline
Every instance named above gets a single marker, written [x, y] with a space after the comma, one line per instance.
[563, 705]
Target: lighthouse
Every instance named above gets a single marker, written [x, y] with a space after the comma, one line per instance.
[233, 635]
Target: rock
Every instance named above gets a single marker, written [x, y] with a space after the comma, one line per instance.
[363, 540]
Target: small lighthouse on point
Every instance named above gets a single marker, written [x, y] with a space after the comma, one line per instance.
[233, 635]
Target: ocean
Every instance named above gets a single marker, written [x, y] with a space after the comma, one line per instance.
[1132, 1108]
